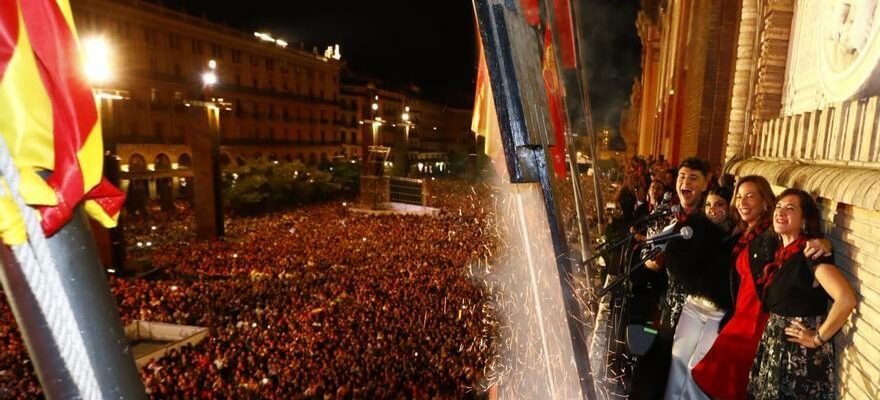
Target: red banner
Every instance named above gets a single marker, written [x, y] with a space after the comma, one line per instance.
[555, 104]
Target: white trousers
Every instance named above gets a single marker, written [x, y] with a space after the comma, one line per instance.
[696, 331]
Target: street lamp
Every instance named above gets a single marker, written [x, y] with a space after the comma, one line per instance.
[376, 123]
[206, 159]
[99, 71]
[209, 77]
[407, 123]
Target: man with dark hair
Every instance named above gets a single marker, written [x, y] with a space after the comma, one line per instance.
[698, 270]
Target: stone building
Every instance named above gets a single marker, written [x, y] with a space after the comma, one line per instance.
[686, 53]
[421, 134]
[445, 137]
[277, 100]
[788, 90]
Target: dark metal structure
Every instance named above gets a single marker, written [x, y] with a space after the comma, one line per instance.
[94, 307]
[514, 53]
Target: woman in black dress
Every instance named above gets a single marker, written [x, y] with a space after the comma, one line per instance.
[795, 356]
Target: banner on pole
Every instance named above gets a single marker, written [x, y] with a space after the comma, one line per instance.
[49, 117]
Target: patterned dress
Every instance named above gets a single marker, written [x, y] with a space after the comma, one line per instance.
[786, 370]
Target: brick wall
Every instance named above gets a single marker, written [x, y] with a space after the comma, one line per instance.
[854, 232]
[710, 68]
[698, 57]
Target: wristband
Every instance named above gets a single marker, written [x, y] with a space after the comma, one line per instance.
[820, 338]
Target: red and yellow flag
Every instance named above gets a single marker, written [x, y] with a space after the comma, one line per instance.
[48, 114]
[484, 121]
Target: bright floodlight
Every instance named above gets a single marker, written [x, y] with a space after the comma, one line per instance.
[212, 64]
[97, 60]
[405, 116]
[375, 106]
[209, 78]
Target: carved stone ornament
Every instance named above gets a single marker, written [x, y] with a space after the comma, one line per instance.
[849, 49]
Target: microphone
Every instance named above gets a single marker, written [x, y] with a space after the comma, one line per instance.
[668, 209]
[663, 239]
[659, 212]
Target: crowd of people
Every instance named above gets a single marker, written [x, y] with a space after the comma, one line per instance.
[16, 371]
[318, 302]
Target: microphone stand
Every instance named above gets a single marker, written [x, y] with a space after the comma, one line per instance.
[605, 248]
[656, 250]
[618, 365]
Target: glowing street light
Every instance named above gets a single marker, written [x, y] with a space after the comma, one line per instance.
[98, 60]
[209, 78]
[407, 124]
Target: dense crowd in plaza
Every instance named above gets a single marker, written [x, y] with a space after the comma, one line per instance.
[16, 371]
[316, 302]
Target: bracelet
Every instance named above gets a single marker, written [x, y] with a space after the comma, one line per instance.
[820, 338]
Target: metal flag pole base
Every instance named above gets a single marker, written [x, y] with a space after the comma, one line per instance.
[59, 294]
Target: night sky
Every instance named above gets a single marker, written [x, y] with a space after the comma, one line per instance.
[430, 44]
[614, 54]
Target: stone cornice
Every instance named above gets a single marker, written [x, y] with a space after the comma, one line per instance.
[851, 185]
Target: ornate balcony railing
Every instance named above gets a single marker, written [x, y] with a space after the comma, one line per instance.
[844, 133]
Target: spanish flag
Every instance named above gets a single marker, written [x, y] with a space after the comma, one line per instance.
[49, 117]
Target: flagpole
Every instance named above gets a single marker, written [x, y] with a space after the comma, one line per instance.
[60, 298]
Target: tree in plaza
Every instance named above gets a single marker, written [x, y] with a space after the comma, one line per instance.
[263, 185]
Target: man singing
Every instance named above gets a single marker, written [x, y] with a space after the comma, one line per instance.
[698, 293]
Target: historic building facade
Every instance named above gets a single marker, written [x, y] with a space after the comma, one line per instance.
[277, 100]
[686, 65]
[800, 86]
[422, 135]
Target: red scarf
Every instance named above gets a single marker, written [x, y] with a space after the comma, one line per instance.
[747, 237]
[683, 215]
[783, 254]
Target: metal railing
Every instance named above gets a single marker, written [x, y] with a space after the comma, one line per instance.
[407, 191]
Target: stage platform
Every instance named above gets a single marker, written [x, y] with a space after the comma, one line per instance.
[393, 208]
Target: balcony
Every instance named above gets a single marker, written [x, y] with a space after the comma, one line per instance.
[142, 139]
[274, 142]
[268, 92]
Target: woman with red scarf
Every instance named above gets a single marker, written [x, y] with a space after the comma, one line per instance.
[795, 359]
[724, 372]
